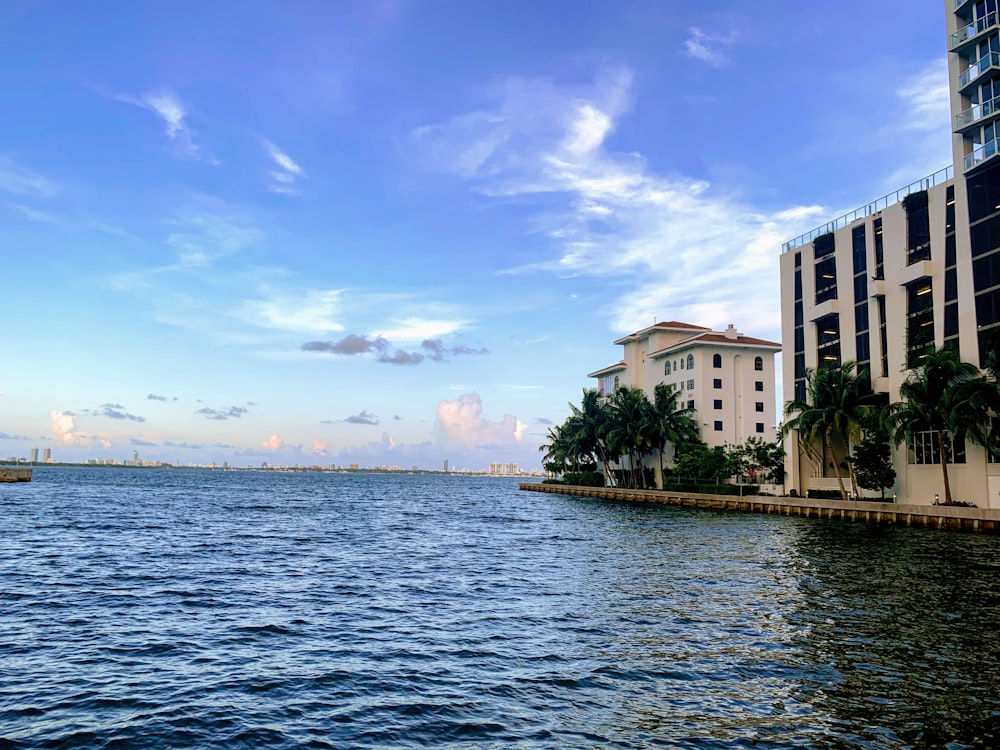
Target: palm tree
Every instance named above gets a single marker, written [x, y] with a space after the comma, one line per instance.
[671, 422]
[835, 405]
[628, 431]
[949, 398]
[588, 425]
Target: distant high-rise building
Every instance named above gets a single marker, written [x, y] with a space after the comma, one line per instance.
[446, 464]
[135, 455]
[47, 455]
[34, 455]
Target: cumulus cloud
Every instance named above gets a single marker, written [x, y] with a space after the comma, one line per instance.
[319, 447]
[677, 241]
[273, 443]
[233, 412]
[463, 424]
[284, 179]
[364, 417]
[64, 427]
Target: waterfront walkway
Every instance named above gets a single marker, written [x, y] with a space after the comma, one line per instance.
[925, 516]
[14, 474]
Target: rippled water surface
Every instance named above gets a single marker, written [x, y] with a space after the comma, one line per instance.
[177, 608]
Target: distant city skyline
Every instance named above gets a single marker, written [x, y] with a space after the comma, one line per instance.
[398, 233]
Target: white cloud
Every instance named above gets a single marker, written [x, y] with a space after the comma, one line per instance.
[926, 98]
[709, 48]
[464, 426]
[167, 106]
[416, 329]
[27, 213]
[309, 312]
[681, 241]
[273, 443]
[285, 178]
[64, 427]
[22, 181]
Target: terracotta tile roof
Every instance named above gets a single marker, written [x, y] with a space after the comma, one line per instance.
[666, 325]
[610, 368]
[716, 338]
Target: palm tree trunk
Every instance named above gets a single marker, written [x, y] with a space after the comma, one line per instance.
[942, 451]
[836, 463]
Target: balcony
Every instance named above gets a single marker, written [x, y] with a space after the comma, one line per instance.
[989, 61]
[962, 5]
[968, 34]
[979, 155]
[974, 115]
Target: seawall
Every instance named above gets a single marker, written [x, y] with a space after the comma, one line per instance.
[12, 474]
[925, 516]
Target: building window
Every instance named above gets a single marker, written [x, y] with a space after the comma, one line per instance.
[717, 383]
[717, 361]
[760, 427]
[758, 406]
[919, 321]
[879, 249]
[616, 382]
[758, 364]
[690, 404]
[690, 361]
[718, 425]
[682, 363]
[717, 403]
[923, 448]
[918, 227]
[691, 385]
[828, 341]
[826, 279]
[883, 341]
[758, 385]
[666, 367]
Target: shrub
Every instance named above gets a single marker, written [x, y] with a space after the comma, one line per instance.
[584, 478]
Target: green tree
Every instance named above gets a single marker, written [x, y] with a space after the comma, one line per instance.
[672, 424]
[835, 405]
[872, 459]
[698, 461]
[759, 459]
[629, 432]
[947, 397]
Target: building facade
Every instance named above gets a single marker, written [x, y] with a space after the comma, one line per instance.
[725, 377]
[913, 270]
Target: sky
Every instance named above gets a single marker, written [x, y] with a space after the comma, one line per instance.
[396, 232]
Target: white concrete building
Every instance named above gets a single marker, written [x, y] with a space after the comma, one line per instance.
[915, 269]
[726, 377]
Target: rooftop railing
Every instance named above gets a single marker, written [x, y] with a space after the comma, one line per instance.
[939, 177]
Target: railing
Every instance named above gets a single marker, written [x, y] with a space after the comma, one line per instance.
[980, 25]
[980, 154]
[977, 112]
[941, 176]
[987, 61]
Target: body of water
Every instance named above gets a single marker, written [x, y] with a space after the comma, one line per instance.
[183, 608]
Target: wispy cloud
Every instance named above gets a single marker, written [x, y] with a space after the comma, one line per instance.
[27, 213]
[142, 443]
[285, 178]
[117, 411]
[173, 113]
[158, 397]
[710, 49]
[19, 180]
[708, 255]
[311, 311]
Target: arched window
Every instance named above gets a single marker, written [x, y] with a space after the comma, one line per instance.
[616, 382]
[717, 361]
[758, 364]
[666, 367]
[682, 363]
[690, 361]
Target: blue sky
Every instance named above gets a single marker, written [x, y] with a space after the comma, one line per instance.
[397, 232]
